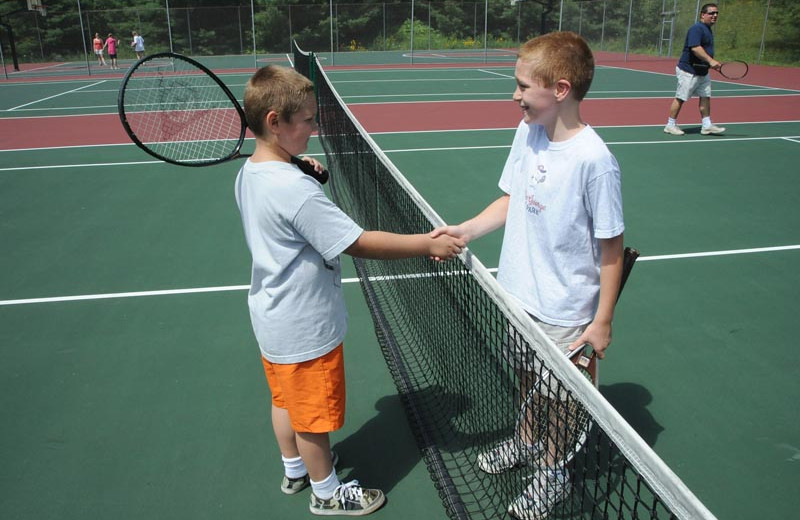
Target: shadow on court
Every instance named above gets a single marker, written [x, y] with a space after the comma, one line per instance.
[372, 454]
[631, 401]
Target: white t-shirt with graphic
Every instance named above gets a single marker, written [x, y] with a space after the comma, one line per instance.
[563, 197]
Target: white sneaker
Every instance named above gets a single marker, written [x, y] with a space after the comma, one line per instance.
[508, 454]
[673, 129]
[712, 130]
[539, 499]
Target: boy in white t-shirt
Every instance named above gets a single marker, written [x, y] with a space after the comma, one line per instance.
[295, 235]
[562, 251]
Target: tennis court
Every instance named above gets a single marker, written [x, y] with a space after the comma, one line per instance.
[131, 385]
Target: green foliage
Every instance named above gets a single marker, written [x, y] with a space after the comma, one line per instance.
[217, 27]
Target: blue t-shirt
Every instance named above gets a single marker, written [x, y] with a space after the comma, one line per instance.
[698, 34]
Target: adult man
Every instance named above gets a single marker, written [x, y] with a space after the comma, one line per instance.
[692, 71]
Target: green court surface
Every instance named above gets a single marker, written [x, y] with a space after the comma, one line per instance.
[130, 382]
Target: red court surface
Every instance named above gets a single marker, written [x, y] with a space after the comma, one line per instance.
[24, 133]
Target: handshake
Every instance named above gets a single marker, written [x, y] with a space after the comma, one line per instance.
[448, 242]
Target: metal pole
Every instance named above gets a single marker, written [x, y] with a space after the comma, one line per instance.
[253, 30]
[560, 14]
[628, 35]
[603, 27]
[333, 54]
[241, 41]
[39, 33]
[169, 27]
[83, 37]
[763, 35]
[412, 32]
[485, 30]
[3, 61]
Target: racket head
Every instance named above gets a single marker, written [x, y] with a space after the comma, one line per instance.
[177, 110]
[735, 69]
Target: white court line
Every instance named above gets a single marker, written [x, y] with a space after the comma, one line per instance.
[137, 294]
[495, 73]
[89, 165]
[57, 95]
[794, 139]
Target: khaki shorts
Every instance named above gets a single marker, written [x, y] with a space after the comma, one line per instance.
[691, 85]
[313, 392]
[529, 365]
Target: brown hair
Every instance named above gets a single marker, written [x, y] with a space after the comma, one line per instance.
[277, 88]
[560, 55]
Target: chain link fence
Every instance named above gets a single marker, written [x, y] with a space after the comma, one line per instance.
[757, 31]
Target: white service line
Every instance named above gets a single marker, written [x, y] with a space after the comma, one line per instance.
[57, 95]
[84, 297]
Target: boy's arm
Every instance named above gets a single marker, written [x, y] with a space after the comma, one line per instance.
[598, 333]
[491, 218]
[380, 245]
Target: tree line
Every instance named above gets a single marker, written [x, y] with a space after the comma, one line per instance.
[221, 27]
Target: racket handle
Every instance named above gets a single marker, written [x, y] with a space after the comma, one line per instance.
[321, 177]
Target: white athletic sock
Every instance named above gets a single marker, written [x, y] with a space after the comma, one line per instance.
[706, 122]
[671, 121]
[325, 489]
[294, 468]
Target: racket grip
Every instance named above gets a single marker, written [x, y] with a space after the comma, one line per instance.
[321, 177]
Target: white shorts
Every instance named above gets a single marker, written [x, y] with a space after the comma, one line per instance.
[690, 84]
[99, 52]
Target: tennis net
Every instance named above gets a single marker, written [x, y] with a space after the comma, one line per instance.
[445, 331]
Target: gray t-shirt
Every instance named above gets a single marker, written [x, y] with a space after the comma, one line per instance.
[295, 235]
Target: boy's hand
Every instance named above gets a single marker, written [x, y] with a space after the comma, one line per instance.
[318, 167]
[597, 335]
[453, 231]
[445, 247]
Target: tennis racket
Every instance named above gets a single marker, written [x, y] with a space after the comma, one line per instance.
[734, 69]
[558, 421]
[177, 110]
[586, 358]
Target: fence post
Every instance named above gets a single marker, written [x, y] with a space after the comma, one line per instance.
[763, 35]
[83, 38]
[169, 27]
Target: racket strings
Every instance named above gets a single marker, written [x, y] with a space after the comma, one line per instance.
[555, 420]
[181, 113]
[734, 69]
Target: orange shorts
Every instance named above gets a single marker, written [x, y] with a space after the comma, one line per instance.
[313, 392]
